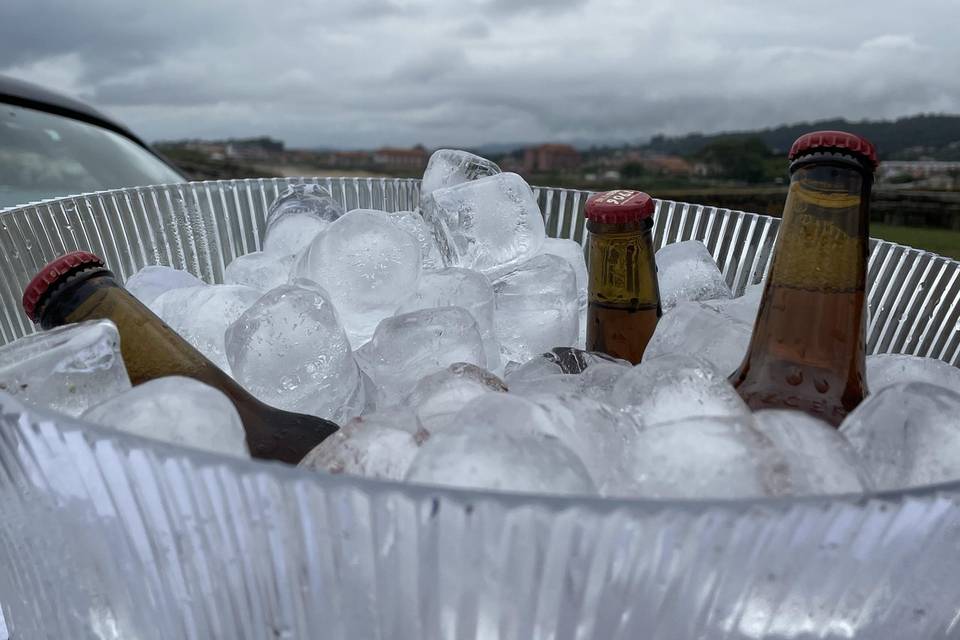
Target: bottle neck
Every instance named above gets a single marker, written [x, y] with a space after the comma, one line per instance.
[822, 243]
[150, 348]
[62, 303]
[153, 350]
[621, 264]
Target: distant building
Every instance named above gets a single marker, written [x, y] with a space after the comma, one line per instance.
[667, 165]
[916, 168]
[928, 174]
[510, 163]
[548, 158]
[350, 159]
[213, 150]
[702, 169]
[392, 158]
[253, 148]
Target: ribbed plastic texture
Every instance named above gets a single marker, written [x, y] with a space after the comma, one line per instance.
[105, 536]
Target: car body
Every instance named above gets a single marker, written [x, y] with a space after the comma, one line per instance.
[52, 145]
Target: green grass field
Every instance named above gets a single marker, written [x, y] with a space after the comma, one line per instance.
[942, 241]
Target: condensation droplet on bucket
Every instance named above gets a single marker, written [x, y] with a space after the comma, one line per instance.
[795, 377]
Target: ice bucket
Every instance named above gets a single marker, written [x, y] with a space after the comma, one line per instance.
[107, 536]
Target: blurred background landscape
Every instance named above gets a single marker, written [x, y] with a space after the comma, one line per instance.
[686, 99]
[916, 199]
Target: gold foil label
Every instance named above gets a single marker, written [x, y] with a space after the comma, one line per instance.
[820, 245]
[621, 269]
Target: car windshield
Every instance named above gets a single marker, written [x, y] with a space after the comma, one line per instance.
[43, 155]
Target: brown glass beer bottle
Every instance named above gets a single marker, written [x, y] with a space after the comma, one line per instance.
[78, 286]
[623, 303]
[807, 348]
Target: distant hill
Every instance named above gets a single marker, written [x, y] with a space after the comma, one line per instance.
[928, 136]
[496, 149]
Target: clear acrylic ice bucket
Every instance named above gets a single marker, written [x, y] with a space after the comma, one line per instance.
[110, 537]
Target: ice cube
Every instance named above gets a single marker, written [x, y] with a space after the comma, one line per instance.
[582, 333]
[201, 315]
[536, 367]
[706, 457]
[490, 224]
[296, 217]
[380, 445]
[675, 387]
[743, 308]
[597, 433]
[290, 350]
[259, 270]
[536, 308]
[575, 360]
[177, 410]
[66, 369]
[598, 381]
[699, 329]
[438, 397]
[819, 460]
[564, 369]
[367, 265]
[412, 345]
[538, 375]
[572, 252]
[414, 224]
[455, 287]
[152, 280]
[686, 271]
[449, 167]
[479, 458]
[888, 368]
[559, 383]
[357, 403]
[907, 434]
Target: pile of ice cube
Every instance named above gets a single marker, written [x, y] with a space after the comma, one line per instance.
[447, 342]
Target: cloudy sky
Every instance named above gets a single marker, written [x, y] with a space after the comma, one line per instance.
[362, 73]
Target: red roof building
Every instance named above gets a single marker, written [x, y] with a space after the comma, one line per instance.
[415, 158]
[548, 158]
[351, 159]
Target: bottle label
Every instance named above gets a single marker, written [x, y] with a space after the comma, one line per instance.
[820, 247]
[621, 269]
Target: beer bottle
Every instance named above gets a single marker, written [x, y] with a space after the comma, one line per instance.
[623, 303]
[807, 348]
[78, 286]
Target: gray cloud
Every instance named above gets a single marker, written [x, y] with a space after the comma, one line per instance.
[532, 6]
[360, 73]
[475, 28]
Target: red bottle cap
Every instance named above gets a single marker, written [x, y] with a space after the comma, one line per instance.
[834, 141]
[619, 206]
[53, 273]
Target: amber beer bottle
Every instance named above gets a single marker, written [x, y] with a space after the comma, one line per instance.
[807, 348]
[623, 304]
[78, 286]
